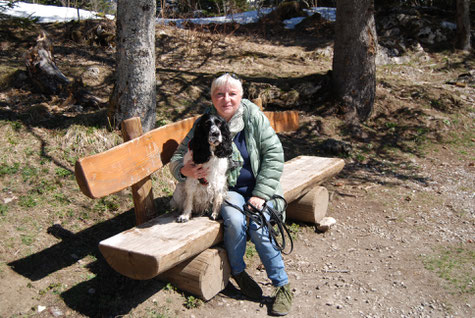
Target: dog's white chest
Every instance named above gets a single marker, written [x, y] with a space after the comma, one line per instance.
[217, 168]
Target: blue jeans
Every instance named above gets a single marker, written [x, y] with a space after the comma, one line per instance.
[235, 237]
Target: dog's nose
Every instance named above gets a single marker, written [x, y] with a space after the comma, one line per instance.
[214, 133]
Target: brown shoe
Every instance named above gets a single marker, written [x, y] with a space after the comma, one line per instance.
[248, 286]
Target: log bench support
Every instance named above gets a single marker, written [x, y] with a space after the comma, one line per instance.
[184, 253]
[311, 207]
[204, 275]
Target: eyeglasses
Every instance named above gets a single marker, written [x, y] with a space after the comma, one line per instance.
[232, 75]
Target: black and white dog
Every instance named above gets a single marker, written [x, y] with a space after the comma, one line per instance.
[211, 146]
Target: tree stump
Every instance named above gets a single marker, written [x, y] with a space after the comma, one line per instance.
[42, 69]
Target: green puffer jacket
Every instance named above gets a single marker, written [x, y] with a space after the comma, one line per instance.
[265, 152]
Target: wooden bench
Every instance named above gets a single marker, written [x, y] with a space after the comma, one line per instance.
[183, 253]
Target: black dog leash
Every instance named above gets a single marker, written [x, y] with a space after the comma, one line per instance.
[275, 219]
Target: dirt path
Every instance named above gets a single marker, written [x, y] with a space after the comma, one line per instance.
[374, 262]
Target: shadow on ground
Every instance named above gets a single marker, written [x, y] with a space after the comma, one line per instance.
[108, 293]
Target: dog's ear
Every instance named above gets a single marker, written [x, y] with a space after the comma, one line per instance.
[199, 144]
[225, 148]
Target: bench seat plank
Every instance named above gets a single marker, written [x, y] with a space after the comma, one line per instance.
[302, 173]
[159, 244]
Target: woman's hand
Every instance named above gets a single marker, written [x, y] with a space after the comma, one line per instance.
[257, 202]
[192, 170]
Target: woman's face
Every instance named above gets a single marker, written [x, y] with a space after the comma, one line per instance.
[226, 100]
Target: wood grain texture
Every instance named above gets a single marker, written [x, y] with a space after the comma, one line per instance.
[127, 164]
[311, 207]
[283, 121]
[142, 193]
[158, 245]
[302, 173]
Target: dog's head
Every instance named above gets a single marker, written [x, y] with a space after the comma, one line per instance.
[211, 135]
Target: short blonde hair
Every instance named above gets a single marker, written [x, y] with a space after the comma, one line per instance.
[225, 80]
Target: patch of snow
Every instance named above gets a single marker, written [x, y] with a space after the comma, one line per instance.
[326, 13]
[291, 23]
[240, 18]
[448, 25]
[46, 14]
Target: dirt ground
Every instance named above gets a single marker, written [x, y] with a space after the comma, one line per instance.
[403, 245]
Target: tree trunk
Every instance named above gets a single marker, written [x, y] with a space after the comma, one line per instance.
[354, 68]
[462, 41]
[134, 92]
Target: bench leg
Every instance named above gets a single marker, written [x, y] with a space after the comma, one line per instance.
[311, 207]
[142, 193]
[204, 275]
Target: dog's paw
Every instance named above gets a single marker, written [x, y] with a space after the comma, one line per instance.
[213, 216]
[182, 218]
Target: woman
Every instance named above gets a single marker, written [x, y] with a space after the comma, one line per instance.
[260, 155]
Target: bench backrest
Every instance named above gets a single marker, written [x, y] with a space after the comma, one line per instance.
[129, 163]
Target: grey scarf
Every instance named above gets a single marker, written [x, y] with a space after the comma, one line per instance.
[236, 124]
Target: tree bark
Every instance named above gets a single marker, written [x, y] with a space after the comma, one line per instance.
[354, 67]
[134, 93]
[462, 41]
